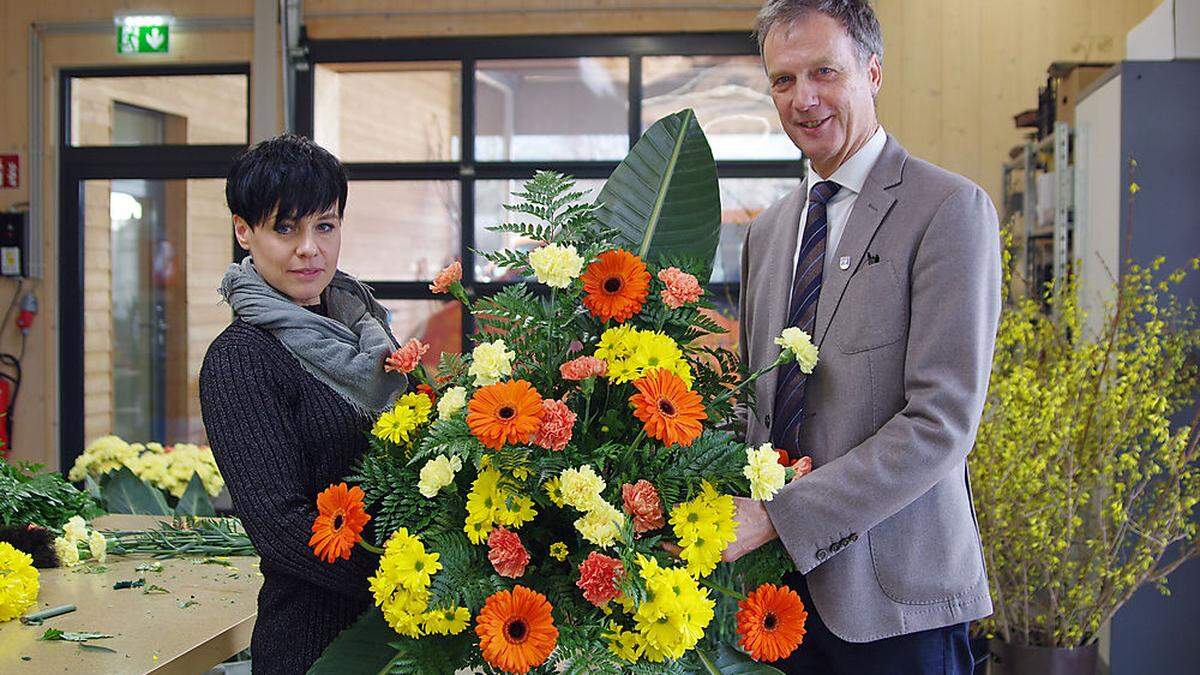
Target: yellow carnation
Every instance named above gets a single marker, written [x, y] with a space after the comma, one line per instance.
[601, 525]
[801, 347]
[581, 487]
[437, 474]
[67, 553]
[451, 401]
[491, 362]
[555, 265]
[98, 546]
[765, 472]
[75, 529]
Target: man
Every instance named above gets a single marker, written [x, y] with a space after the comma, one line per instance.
[893, 266]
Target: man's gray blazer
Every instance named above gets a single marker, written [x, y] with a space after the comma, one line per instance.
[884, 528]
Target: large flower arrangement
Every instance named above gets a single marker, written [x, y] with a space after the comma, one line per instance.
[526, 495]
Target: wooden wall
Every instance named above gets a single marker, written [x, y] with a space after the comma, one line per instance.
[955, 71]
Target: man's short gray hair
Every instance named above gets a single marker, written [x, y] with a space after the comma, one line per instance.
[856, 17]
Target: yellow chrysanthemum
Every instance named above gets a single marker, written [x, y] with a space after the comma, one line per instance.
[555, 265]
[107, 453]
[616, 344]
[558, 551]
[491, 362]
[404, 611]
[623, 643]
[601, 525]
[650, 350]
[483, 503]
[447, 621]
[581, 487]
[18, 582]
[766, 474]
[515, 510]
[396, 425]
[704, 527]
[406, 564]
[675, 613]
[553, 488]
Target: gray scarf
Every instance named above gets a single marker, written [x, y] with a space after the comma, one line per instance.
[345, 350]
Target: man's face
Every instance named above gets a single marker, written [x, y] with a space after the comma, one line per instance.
[297, 258]
[823, 91]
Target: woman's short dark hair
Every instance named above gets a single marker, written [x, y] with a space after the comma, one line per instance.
[289, 172]
[856, 17]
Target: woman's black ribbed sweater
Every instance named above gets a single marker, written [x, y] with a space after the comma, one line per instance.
[280, 436]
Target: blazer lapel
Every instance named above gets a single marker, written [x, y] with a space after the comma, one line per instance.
[870, 209]
[780, 268]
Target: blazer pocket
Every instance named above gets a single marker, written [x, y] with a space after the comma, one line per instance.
[874, 311]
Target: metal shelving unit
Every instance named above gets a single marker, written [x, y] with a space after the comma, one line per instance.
[1039, 246]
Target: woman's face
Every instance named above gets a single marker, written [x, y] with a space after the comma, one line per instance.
[297, 257]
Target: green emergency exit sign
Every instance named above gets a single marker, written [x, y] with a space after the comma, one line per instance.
[143, 37]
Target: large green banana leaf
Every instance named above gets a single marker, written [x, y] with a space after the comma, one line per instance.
[361, 649]
[663, 198]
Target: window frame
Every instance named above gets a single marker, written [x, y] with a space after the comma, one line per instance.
[78, 164]
[467, 52]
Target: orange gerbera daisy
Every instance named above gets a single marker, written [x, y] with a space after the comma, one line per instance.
[770, 622]
[615, 285]
[339, 523]
[669, 410]
[516, 630]
[505, 412]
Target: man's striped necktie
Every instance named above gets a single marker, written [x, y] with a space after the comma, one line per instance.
[802, 313]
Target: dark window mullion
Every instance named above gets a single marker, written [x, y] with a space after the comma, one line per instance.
[466, 207]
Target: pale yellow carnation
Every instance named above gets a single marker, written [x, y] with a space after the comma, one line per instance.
[766, 474]
[491, 362]
[801, 346]
[450, 402]
[68, 554]
[437, 474]
[581, 488]
[555, 265]
[98, 546]
[75, 529]
[601, 525]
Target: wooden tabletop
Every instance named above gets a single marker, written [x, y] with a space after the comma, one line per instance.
[206, 616]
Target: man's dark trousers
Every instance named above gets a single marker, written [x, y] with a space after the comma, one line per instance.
[940, 651]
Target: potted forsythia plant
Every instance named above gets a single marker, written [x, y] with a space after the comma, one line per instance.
[1084, 479]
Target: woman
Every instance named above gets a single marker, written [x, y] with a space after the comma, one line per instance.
[288, 389]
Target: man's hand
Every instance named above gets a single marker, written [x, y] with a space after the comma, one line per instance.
[754, 529]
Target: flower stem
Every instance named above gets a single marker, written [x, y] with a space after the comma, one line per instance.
[750, 379]
[709, 666]
[370, 547]
[729, 592]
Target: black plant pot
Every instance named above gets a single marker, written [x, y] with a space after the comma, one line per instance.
[1014, 659]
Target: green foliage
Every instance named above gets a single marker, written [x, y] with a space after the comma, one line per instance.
[1085, 489]
[662, 198]
[388, 484]
[30, 495]
[126, 493]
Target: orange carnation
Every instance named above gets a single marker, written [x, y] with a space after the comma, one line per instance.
[681, 287]
[516, 630]
[616, 285]
[600, 578]
[770, 622]
[505, 412]
[583, 367]
[406, 358]
[449, 274]
[340, 520]
[669, 410]
[506, 553]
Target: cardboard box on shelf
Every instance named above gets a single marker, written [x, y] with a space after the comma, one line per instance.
[1071, 84]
